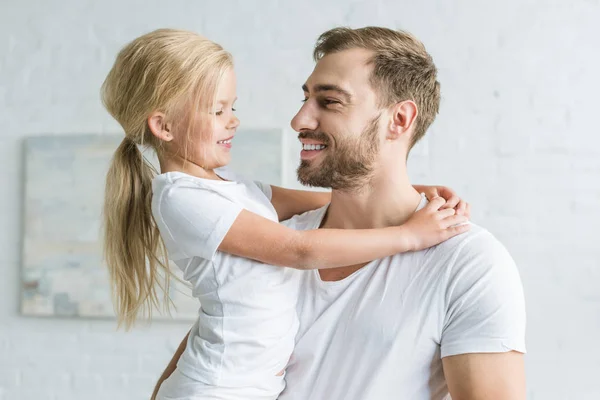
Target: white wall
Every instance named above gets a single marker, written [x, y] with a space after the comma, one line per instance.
[517, 136]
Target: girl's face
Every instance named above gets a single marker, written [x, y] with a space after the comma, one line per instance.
[205, 147]
[225, 122]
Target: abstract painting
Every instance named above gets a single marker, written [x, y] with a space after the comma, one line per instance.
[63, 273]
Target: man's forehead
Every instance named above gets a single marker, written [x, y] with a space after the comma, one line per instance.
[347, 69]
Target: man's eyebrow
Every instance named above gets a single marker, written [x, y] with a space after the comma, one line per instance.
[330, 87]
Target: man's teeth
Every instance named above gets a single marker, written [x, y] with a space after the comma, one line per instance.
[310, 147]
[224, 141]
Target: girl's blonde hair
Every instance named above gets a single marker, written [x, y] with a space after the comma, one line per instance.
[177, 73]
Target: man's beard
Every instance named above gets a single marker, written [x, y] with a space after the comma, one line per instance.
[347, 167]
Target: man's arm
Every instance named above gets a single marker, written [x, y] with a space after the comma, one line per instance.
[172, 365]
[486, 376]
[483, 338]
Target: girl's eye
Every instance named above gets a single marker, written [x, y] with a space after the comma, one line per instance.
[219, 112]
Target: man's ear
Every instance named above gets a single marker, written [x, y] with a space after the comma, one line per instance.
[159, 126]
[402, 119]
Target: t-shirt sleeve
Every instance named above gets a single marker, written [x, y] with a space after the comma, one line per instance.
[229, 174]
[196, 219]
[266, 189]
[485, 306]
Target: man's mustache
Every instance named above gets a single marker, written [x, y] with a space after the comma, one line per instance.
[319, 136]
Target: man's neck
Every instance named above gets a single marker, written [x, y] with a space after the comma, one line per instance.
[386, 201]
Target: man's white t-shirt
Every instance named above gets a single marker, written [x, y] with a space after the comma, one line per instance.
[247, 320]
[381, 332]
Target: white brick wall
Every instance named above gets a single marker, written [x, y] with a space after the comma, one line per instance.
[517, 136]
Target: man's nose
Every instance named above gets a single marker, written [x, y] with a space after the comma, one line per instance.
[305, 119]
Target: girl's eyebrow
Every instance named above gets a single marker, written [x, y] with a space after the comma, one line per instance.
[226, 101]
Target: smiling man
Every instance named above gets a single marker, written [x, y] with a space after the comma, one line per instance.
[450, 319]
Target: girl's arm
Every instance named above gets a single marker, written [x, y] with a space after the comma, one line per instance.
[258, 238]
[290, 202]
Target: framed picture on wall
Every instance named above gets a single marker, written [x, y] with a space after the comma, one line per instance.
[63, 274]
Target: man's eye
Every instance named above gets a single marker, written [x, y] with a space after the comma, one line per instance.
[305, 100]
[328, 102]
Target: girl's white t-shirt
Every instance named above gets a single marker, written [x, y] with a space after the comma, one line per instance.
[247, 319]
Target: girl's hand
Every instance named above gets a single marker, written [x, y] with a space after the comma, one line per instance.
[433, 224]
[452, 199]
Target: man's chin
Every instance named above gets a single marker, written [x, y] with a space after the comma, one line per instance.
[309, 175]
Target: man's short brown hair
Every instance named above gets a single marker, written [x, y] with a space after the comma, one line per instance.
[403, 70]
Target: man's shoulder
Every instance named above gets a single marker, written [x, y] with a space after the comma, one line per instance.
[477, 248]
[475, 239]
[308, 220]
